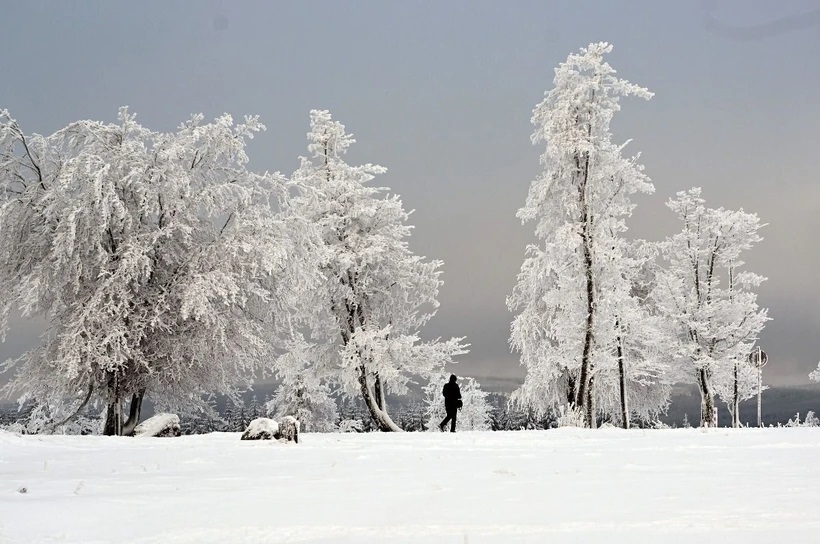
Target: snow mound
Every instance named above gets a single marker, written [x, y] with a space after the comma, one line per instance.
[159, 426]
[9, 437]
[261, 428]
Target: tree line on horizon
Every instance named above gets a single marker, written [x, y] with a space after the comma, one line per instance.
[165, 269]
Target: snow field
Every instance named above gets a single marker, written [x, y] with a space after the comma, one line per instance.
[567, 485]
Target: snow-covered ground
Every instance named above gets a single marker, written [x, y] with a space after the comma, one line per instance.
[567, 485]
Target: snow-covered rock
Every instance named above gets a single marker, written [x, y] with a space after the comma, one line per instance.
[289, 430]
[261, 428]
[160, 425]
[264, 428]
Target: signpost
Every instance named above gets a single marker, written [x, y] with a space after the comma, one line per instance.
[758, 358]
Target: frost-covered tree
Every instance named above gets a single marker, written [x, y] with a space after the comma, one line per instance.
[815, 374]
[733, 383]
[156, 259]
[376, 294]
[704, 295]
[303, 393]
[475, 413]
[632, 371]
[567, 314]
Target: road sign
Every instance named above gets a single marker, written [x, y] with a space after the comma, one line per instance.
[758, 358]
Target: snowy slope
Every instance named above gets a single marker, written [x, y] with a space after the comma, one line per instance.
[567, 485]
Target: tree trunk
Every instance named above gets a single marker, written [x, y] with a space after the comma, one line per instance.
[735, 402]
[133, 413]
[378, 391]
[572, 394]
[113, 412]
[708, 410]
[622, 381]
[589, 407]
[584, 397]
[114, 425]
[378, 415]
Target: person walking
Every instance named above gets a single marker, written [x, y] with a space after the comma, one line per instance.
[452, 402]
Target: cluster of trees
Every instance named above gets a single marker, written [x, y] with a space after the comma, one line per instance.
[166, 269]
[605, 325]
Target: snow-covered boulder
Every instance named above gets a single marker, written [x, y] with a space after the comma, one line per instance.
[267, 429]
[160, 425]
[261, 428]
[289, 430]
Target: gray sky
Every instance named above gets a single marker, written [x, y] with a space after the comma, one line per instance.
[441, 94]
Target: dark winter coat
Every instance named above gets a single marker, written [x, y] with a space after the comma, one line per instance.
[452, 394]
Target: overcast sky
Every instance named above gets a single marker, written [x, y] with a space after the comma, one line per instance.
[441, 94]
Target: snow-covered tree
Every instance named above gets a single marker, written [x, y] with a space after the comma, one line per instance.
[704, 295]
[377, 294]
[157, 260]
[475, 413]
[815, 374]
[303, 394]
[641, 366]
[733, 383]
[572, 286]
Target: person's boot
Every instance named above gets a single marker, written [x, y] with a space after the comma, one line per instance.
[441, 427]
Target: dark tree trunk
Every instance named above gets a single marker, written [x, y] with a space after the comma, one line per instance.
[735, 402]
[113, 412]
[113, 419]
[584, 399]
[378, 415]
[708, 410]
[622, 379]
[133, 413]
[589, 408]
[378, 391]
[114, 425]
[572, 394]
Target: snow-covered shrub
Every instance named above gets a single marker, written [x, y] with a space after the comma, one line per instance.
[810, 421]
[351, 426]
[569, 416]
[49, 419]
[82, 425]
[261, 428]
[474, 415]
[160, 425]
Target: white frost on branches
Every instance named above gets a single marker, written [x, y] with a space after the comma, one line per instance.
[376, 294]
[574, 298]
[157, 260]
[303, 394]
[708, 298]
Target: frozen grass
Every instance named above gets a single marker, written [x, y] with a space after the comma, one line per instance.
[567, 485]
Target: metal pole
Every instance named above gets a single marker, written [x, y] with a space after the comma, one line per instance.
[759, 387]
